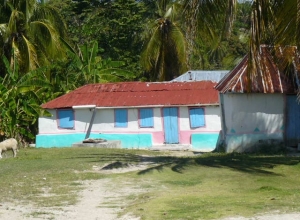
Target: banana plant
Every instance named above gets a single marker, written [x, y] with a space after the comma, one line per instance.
[19, 103]
[94, 69]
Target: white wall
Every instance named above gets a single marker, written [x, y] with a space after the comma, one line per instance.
[245, 112]
[212, 119]
[50, 125]
[250, 118]
[104, 121]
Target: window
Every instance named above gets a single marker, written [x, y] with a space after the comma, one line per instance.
[65, 118]
[146, 118]
[197, 117]
[121, 118]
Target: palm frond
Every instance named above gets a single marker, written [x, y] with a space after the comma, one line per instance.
[46, 36]
[164, 55]
[29, 53]
[31, 33]
[47, 12]
[287, 22]
[151, 53]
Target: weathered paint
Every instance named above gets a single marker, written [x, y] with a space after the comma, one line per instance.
[251, 119]
[204, 142]
[252, 142]
[269, 77]
[133, 136]
[138, 94]
[292, 120]
[254, 111]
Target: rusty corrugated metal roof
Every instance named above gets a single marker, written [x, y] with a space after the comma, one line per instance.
[126, 94]
[270, 78]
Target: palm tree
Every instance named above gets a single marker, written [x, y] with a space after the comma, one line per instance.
[30, 33]
[209, 23]
[164, 56]
[273, 22]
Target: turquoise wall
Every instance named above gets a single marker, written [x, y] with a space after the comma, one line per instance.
[130, 140]
[66, 140]
[201, 142]
[252, 142]
[204, 142]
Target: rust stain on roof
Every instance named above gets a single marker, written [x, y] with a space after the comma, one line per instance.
[127, 94]
[272, 77]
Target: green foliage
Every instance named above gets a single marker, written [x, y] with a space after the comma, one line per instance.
[19, 103]
[214, 50]
[86, 66]
[30, 34]
[96, 70]
[114, 25]
[112, 37]
[164, 55]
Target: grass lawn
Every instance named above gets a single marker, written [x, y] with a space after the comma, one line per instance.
[210, 186]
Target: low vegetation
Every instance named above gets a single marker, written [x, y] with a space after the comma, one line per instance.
[208, 186]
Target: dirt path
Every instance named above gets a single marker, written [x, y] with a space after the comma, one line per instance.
[100, 200]
[97, 202]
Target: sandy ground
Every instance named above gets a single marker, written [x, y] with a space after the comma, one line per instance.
[273, 216]
[99, 200]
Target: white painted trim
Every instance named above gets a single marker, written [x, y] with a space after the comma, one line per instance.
[157, 106]
[83, 106]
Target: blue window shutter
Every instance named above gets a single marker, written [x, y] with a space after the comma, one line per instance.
[121, 118]
[146, 118]
[65, 118]
[197, 117]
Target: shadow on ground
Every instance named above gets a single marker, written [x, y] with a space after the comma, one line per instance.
[256, 164]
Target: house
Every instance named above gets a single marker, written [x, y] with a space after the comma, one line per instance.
[201, 75]
[269, 115]
[140, 114]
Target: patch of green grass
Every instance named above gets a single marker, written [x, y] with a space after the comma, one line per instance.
[268, 188]
[57, 169]
[183, 183]
[210, 186]
[218, 185]
[39, 214]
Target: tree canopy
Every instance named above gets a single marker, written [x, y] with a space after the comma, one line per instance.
[30, 33]
[48, 48]
[164, 56]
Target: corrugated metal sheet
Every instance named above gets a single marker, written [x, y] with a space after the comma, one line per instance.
[128, 94]
[271, 78]
[202, 75]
